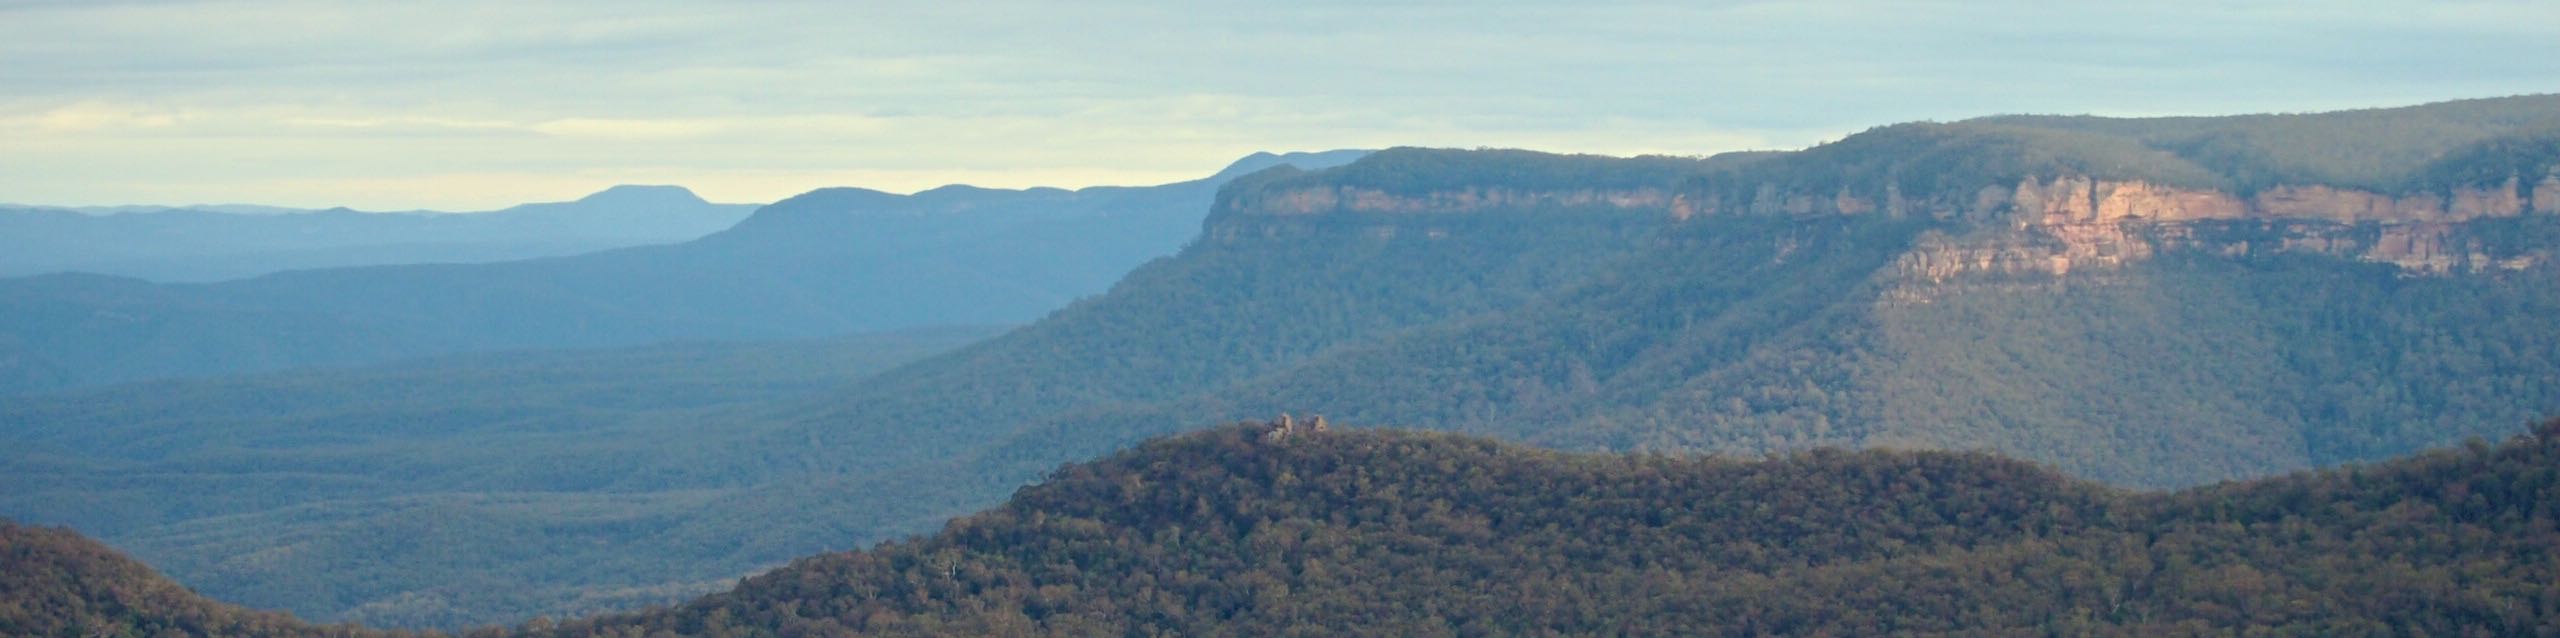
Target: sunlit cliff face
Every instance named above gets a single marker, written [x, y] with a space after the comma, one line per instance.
[2054, 226]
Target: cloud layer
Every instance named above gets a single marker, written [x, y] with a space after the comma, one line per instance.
[473, 104]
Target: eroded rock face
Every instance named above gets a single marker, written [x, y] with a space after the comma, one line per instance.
[2079, 200]
[2072, 224]
[2058, 200]
[2546, 194]
[2053, 226]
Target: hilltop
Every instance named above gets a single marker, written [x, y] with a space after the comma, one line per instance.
[1233, 531]
[1250, 530]
[54, 582]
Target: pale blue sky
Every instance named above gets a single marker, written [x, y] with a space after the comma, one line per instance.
[478, 104]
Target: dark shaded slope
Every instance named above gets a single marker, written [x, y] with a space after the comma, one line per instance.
[1229, 532]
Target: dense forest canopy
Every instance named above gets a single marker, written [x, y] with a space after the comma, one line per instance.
[2386, 149]
[1237, 531]
[1926, 159]
[2491, 162]
[1256, 530]
[54, 582]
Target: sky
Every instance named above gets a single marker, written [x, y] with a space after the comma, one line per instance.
[472, 104]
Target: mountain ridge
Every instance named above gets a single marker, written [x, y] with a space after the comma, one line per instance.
[207, 244]
[828, 262]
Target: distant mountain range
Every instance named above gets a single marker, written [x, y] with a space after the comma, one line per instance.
[829, 262]
[2158, 303]
[214, 243]
[1252, 530]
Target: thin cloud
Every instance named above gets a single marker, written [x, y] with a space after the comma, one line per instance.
[323, 103]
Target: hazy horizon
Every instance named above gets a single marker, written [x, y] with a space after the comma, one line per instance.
[481, 105]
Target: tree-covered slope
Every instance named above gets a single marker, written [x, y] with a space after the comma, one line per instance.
[1769, 335]
[1222, 311]
[2428, 148]
[2382, 149]
[1240, 530]
[53, 582]
[1237, 532]
[1752, 333]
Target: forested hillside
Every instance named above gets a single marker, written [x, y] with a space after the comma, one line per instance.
[1745, 332]
[1255, 529]
[1220, 313]
[53, 582]
[2385, 149]
[2180, 371]
[1237, 532]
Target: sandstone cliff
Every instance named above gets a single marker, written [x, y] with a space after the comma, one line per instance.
[2051, 226]
[2064, 224]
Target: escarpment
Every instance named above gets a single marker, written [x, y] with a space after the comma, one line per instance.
[2064, 224]
[2050, 224]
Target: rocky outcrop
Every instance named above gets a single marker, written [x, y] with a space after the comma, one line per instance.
[2073, 224]
[2075, 200]
[2425, 248]
[2079, 200]
[2546, 194]
[1281, 430]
